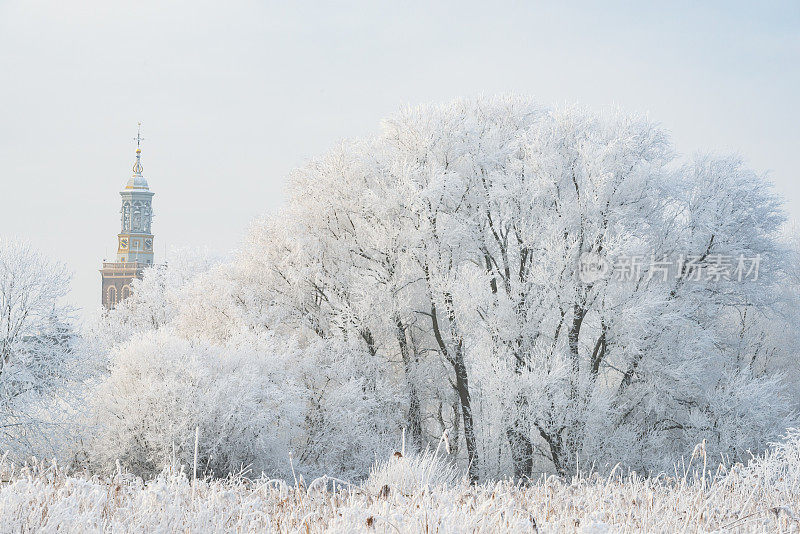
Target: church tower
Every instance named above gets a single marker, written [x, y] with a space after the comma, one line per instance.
[135, 240]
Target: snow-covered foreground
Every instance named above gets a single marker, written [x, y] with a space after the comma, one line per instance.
[417, 494]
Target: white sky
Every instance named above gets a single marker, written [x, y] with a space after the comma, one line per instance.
[233, 95]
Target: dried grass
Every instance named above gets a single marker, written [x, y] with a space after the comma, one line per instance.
[413, 494]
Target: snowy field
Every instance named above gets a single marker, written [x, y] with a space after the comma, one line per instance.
[417, 494]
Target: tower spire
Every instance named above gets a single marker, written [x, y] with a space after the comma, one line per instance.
[137, 167]
[137, 181]
[138, 137]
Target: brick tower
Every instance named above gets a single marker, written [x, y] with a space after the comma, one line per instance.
[135, 240]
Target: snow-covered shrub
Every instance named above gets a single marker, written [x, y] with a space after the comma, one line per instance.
[779, 466]
[254, 399]
[411, 474]
[244, 401]
[351, 413]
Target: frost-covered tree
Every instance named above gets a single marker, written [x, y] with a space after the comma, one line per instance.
[37, 348]
[157, 299]
[430, 278]
[469, 222]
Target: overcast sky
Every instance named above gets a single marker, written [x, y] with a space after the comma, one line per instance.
[233, 95]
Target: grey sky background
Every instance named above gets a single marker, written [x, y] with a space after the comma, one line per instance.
[233, 95]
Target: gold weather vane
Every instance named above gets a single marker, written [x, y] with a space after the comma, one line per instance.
[137, 167]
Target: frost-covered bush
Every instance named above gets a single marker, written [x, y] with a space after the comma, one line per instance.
[778, 467]
[353, 413]
[161, 388]
[254, 399]
[413, 473]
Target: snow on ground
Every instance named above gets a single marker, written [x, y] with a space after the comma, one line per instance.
[419, 494]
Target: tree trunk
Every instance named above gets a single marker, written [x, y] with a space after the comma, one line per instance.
[578, 313]
[456, 360]
[521, 443]
[462, 387]
[517, 432]
[556, 452]
[414, 405]
[454, 444]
